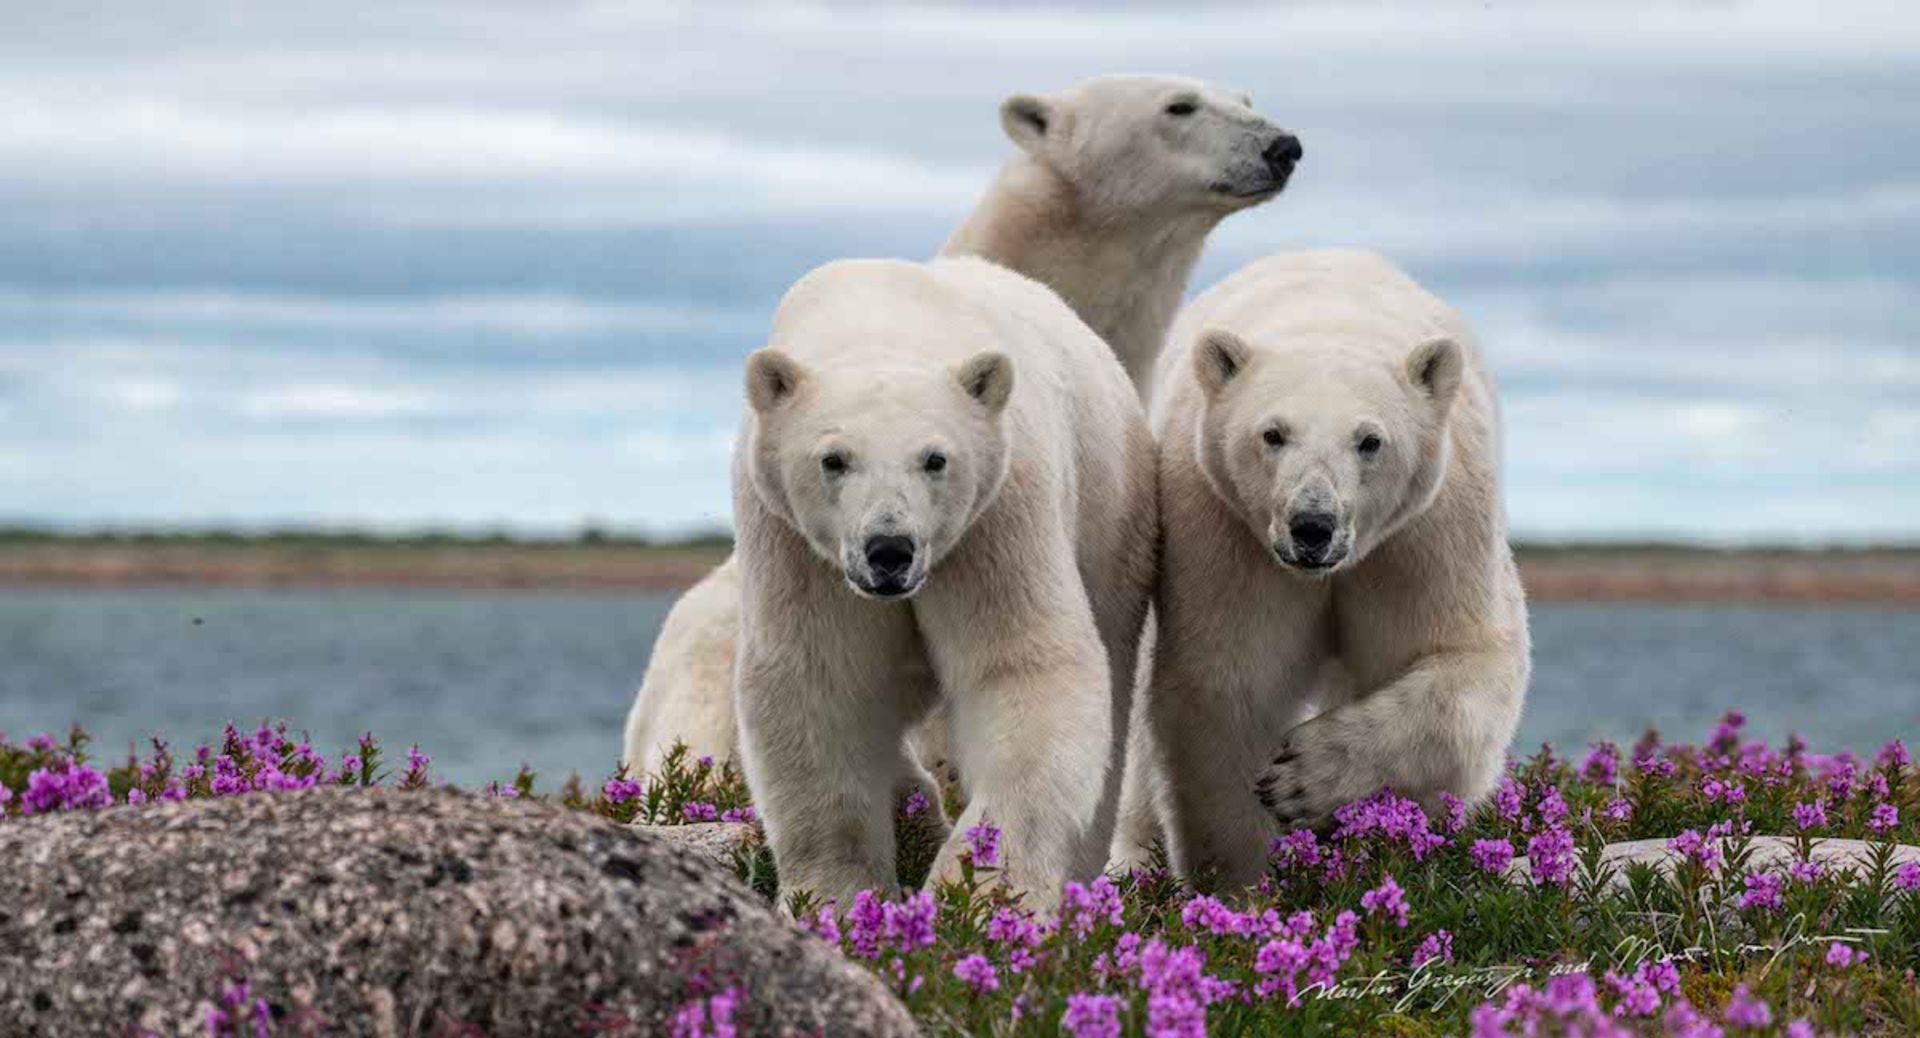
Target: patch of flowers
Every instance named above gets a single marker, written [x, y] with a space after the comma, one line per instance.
[1502, 918]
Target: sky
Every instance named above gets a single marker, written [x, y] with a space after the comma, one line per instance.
[494, 266]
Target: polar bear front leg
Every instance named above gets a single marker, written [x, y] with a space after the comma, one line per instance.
[823, 690]
[1443, 726]
[823, 758]
[1031, 699]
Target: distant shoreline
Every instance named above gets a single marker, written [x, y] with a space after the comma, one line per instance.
[1556, 574]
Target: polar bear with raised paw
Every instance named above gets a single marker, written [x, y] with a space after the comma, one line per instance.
[1335, 541]
[943, 489]
[1116, 185]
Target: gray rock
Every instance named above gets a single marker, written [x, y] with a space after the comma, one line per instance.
[384, 912]
[717, 842]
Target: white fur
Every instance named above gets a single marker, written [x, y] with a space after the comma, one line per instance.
[1109, 206]
[1032, 557]
[1413, 645]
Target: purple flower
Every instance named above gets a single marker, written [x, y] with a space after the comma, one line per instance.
[1602, 764]
[1208, 914]
[1393, 818]
[1178, 990]
[1842, 955]
[1907, 876]
[1810, 814]
[1507, 800]
[1806, 871]
[1718, 791]
[618, 790]
[1084, 907]
[742, 815]
[1387, 899]
[1691, 846]
[66, 786]
[1885, 818]
[1762, 891]
[1456, 811]
[1894, 755]
[865, 924]
[692, 1019]
[1550, 855]
[916, 803]
[416, 776]
[1492, 855]
[977, 973]
[1551, 806]
[1298, 848]
[824, 926]
[1638, 996]
[1726, 735]
[1091, 1016]
[983, 840]
[908, 924]
[1435, 947]
[699, 811]
[1744, 1010]
[1618, 809]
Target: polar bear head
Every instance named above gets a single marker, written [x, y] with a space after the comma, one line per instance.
[1325, 449]
[880, 458]
[1134, 143]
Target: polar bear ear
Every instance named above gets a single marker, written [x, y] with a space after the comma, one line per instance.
[1026, 119]
[988, 378]
[1218, 358]
[772, 378]
[1434, 367]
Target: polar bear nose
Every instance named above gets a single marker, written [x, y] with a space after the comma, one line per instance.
[889, 556]
[1283, 153]
[1312, 533]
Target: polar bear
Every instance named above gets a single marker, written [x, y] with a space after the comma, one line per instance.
[943, 491]
[1116, 185]
[1334, 539]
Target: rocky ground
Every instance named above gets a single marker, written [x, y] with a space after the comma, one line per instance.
[382, 912]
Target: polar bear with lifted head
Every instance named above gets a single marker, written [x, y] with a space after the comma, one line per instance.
[943, 490]
[1117, 183]
[1335, 540]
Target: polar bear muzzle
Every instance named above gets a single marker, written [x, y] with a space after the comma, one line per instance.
[887, 566]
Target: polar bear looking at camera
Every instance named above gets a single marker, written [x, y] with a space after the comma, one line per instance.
[1334, 540]
[1116, 185]
[943, 490]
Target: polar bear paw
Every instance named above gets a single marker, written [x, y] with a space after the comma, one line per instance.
[1307, 779]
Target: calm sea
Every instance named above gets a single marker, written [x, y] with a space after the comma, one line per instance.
[484, 681]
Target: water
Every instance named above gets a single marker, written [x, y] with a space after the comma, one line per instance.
[485, 681]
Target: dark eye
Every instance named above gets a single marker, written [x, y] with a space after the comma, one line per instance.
[1182, 108]
[936, 462]
[1274, 438]
[1369, 445]
[833, 464]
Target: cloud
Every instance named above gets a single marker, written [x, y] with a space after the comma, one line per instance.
[489, 263]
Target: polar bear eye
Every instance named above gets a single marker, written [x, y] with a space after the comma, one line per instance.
[1274, 438]
[936, 462]
[1368, 446]
[1182, 108]
[833, 464]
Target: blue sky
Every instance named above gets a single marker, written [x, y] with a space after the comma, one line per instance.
[404, 264]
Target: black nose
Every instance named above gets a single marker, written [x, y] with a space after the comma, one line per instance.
[1312, 533]
[1283, 153]
[889, 556]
